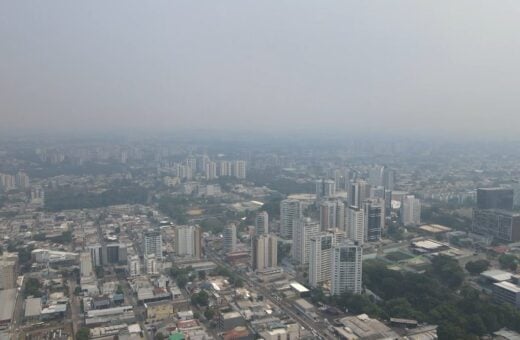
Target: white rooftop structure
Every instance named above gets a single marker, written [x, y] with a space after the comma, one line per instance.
[496, 275]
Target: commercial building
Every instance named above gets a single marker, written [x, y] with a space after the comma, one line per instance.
[346, 268]
[290, 210]
[507, 292]
[501, 224]
[495, 198]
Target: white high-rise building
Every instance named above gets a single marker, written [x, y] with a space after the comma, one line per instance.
[85, 265]
[303, 230]
[37, 195]
[239, 169]
[355, 224]
[22, 180]
[230, 238]
[152, 243]
[96, 254]
[410, 210]
[262, 223]
[134, 266]
[346, 268]
[151, 264]
[188, 241]
[320, 258]
[211, 170]
[265, 252]
[225, 168]
[290, 210]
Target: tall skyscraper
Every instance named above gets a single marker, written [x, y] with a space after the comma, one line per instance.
[358, 193]
[410, 210]
[375, 176]
[239, 169]
[388, 178]
[495, 198]
[325, 188]
[225, 168]
[290, 210]
[355, 224]
[347, 268]
[265, 252]
[152, 243]
[85, 265]
[374, 219]
[230, 238]
[96, 254]
[22, 180]
[304, 230]
[262, 223]
[188, 241]
[327, 215]
[210, 170]
[332, 214]
[320, 258]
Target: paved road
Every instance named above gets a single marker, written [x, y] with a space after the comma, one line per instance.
[74, 306]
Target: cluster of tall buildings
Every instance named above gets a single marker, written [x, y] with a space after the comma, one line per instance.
[332, 248]
[208, 168]
[494, 215]
[10, 182]
[314, 248]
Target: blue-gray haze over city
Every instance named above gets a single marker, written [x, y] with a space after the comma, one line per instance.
[436, 67]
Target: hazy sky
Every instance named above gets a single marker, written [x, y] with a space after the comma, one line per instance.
[406, 66]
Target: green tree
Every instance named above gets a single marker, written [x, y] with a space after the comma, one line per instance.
[477, 267]
[83, 334]
[508, 261]
[209, 313]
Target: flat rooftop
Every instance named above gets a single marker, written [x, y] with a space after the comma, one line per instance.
[508, 286]
[298, 287]
[496, 275]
